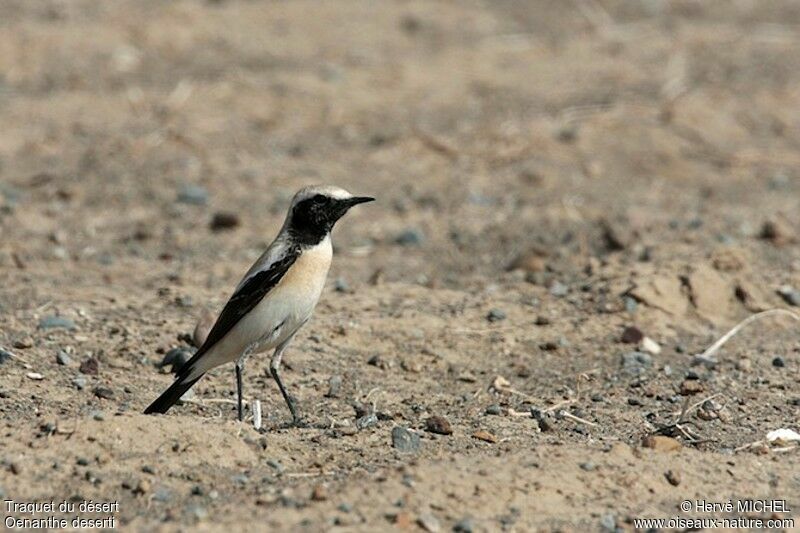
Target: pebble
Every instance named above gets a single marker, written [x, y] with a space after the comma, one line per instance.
[463, 526]
[223, 221]
[439, 425]
[334, 386]
[410, 237]
[340, 285]
[608, 523]
[661, 443]
[23, 343]
[650, 346]
[588, 466]
[98, 415]
[4, 356]
[543, 419]
[162, 495]
[558, 289]
[79, 382]
[175, 359]
[691, 386]
[90, 366]
[52, 322]
[790, 295]
[496, 315]
[35, 376]
[82, 461]
[199, 512]
[319, 494]
[631, 304]
[632, 335]
[494, 409]
[429, 523]
[404, 440]
[636, 362]
[345, 507]
[193, 195]
[367, 421]
[104, 392]
[484, 436]
[673, 477]
[779, 362]
[542, 320]
[63, 358]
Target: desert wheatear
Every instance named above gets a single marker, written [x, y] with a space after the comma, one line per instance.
[274, 299]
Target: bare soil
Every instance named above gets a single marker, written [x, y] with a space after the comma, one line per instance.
[548, 173]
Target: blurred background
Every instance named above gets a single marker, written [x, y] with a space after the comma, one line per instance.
[548, 173]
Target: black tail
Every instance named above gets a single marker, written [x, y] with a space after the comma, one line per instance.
[171, 395]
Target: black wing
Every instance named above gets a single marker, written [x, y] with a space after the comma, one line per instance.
[244, 300]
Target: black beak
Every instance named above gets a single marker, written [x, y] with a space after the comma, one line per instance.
[355, 200]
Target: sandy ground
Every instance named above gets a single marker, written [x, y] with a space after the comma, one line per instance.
[549, 174]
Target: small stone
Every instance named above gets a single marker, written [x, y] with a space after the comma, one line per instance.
[15, 468]
[690, 387]
[484, 436]
[661, 443]
[673, 477]
[496, 315]
[104, 392]
[542, 321]
[404, 440]
[631, 304]
[494, 409]
[588, 466]
[439, 425]
[98, 415]
[79, 382]
[367, 421]
[143, 487]
[82, 461]
[779, 362]
[632, 335]
[193, 195]
[223, 220]
[319, 494]
[429, 523]
[334, 386]
[345, 507]
[776, 231]
[4, 356]
[53, 322]
[162, 495]
[90, 367]
[543, 419]
[635, 363]
[410, 237]
[175, 359]
[790, 295]
[63, 358]
[464, 526]
[650, 346]
[35, 376]
[23, 343]
[340, 285]
[558, 289]
[608, 523]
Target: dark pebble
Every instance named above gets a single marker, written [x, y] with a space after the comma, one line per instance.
[82, 461]
[632, 335]
[464, 526]
[494, 409]
[542, 321]
[634, 401]
[175, 358]
[104, 392]
[90, 367]
[223, 220]
[439, 425]
[367, 421]
[545, 420]
[410, 237]
[779, 362]
[52, 322]
[636, 362]
[673, 478]
[404, 440]
[62, 358]
[4, 356]
[496, 315]
[340, 285]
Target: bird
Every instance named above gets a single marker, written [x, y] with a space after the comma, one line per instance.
[274, 299]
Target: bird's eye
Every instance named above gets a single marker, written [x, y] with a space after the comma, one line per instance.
[319, 199]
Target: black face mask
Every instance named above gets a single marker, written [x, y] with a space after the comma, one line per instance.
[313, 218]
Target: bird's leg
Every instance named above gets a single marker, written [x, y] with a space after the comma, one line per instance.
[239, 385]
[239, 388]
[274, 365]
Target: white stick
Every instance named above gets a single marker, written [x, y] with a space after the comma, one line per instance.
[711, 350]
[257, 414]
